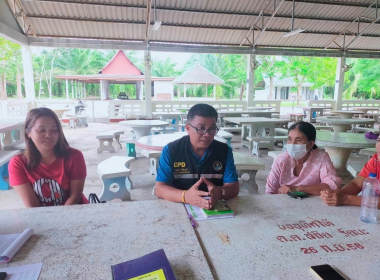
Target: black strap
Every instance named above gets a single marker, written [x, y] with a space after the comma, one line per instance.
[93, 199]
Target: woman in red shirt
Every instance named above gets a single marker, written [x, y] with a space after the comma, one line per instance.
[49, 173]
[348, 195]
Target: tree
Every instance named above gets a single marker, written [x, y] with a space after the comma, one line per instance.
[10, 66]
[164, 68]
[270, 66]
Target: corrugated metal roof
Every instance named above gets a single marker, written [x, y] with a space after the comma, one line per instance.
[213, 22]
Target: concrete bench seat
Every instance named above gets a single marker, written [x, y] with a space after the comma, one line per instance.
[365, 130]
[324, 127]
[280, 131]
[108, 136]
[257, 140]
[231, 129]
[153, 157]
[5, 157]
[246, 164]
[114, 173]
[296, 117]
[368, 152]
[77, 120]
[274, 154]
[21, 146]
[355, 169]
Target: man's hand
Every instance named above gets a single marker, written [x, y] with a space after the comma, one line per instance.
[214, 191]
[285, 189]
[332, 197]
[195, 197]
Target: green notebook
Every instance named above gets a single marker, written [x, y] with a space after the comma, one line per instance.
[222, 211]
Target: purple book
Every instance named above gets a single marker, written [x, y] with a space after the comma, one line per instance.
[150, 263]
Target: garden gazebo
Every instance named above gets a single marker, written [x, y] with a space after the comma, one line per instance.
[197, 75]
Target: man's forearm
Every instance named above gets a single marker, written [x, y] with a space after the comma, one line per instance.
[168, 192]
[351, 189]
[231, 190]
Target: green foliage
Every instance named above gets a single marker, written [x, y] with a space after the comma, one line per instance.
[230, 68]
[10, 59]
[164, 68]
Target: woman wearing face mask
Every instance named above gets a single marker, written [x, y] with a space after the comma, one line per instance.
[303, 167]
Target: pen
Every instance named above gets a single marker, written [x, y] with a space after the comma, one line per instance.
[192, 221]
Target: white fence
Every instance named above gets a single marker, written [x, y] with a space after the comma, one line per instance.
[104, 111]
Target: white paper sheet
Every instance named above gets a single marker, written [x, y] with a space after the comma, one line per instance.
[11, 243]
[25, 272]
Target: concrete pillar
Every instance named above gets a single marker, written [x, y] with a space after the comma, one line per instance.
[184, 90]
[214, 92]
[104, 93]
[72, 89]
[84, 90]
[139, 89]
[206, 90]
[339, 83]
[28, 73]
[148, 84]
[250, 80]
[67, 89]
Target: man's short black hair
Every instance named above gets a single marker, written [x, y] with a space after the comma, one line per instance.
[202, 110]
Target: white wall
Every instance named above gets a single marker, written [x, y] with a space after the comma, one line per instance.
[261, 94]
[163, 87]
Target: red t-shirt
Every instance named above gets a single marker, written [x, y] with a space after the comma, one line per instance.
[372, 166]
[51, 183]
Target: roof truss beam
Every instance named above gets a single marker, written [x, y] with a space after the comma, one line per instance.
[188, 26]
[163, 8]
[22, 20]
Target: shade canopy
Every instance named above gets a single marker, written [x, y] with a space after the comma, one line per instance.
[198, 75]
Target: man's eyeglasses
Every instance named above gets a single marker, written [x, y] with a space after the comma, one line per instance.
[202, 131]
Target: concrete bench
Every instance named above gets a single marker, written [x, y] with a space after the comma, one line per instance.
[365, 130]
[355, 169]
[231, 129]
[108, 136]
[153, 157]
[296, 117]
[368, 152]
[257, 140]
[274, 154]
[76, 120]
[225, 135]
[280, 131]
[246, 164]
[324, 127]
[182, 127]
[114, 173]
[5, 157]
[21, 146]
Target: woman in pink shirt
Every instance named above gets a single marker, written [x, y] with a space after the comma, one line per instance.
[303, 167]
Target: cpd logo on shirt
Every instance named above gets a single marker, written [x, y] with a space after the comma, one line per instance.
[179, 164]
[217, 166]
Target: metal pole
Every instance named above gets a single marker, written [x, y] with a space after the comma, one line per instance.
[294, 5]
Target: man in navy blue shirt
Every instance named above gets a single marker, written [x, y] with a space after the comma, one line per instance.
[197, 165]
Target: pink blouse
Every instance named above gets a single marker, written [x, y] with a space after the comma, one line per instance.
[317, 169]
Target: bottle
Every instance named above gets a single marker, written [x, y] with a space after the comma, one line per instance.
[370, 199]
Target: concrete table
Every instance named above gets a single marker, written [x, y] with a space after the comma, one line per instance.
[60, 112]
[260, 108]
[346, 114]
[225, 135]
[238, 114]
[169, 116]
[278, 237]
[142, 127]
[365, 109]
[83, 241]
[339, 145]
[158, 142]
[251, 126]
[311, 110]
[342, 125]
